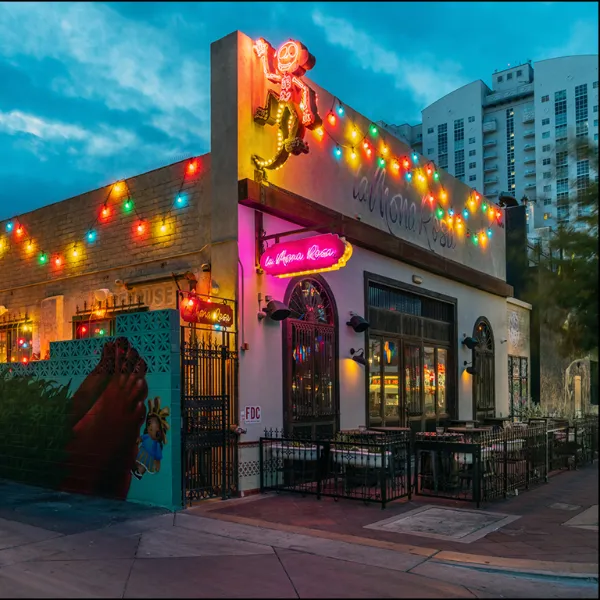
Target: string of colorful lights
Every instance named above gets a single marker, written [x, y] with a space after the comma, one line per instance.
[17, 229]
[414, 172]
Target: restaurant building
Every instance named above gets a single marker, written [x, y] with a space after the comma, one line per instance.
[359, 285]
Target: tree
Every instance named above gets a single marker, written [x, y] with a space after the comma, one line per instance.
[566, 289]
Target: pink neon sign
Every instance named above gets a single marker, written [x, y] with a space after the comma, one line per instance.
[311, 255]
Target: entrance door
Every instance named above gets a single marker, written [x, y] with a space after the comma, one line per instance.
[208, 408]
[484, 398]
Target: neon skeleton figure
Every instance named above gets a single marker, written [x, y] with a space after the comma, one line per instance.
[294, 108]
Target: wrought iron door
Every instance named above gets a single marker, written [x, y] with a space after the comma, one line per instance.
[484, 392]
[208, 409]
[311, 401]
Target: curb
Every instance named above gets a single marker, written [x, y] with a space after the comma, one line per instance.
[518, 567]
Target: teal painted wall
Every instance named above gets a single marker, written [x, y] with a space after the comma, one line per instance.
[74, 422]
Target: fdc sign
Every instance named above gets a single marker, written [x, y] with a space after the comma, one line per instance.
[251, 414]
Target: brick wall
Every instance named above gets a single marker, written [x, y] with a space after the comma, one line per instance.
[118, 251]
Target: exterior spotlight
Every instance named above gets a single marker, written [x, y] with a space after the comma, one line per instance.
[275, 310]
[358, 323]
[471, 370]
[358, 356]
[469, 342]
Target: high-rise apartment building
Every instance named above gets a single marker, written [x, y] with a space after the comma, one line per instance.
[518, 138]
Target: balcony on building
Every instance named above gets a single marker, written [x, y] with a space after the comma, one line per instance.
[492, 194]
[491, 180]
[530, 185]
[509, 96]
[529, 133]
[490, 126]
[530, 173]
[528, 116]
[490, 155]
[490, 168]
[489, 143]
[529, 146]
[529, 159]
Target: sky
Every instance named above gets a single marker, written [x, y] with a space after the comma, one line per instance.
[95, 92]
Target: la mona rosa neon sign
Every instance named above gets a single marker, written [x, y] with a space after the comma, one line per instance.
[315, 254]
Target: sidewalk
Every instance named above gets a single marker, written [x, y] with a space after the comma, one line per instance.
[542, 531]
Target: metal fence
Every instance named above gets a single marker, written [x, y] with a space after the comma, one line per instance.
[381, 467]
[373, 467]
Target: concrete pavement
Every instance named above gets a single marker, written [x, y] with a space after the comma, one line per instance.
[190, 554]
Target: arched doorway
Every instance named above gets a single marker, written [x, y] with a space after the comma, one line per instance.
[484, 389]
[310, 354]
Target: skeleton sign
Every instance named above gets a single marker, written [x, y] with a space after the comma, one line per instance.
[294, 108]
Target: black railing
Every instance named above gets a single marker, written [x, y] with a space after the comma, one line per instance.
[368, 466]
[478, 466]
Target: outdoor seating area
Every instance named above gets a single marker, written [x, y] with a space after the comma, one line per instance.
[471, 462]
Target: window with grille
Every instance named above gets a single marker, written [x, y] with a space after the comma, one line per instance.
[484, 399]
[518, 383]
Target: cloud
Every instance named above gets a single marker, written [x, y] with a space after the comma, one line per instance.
[425, 78]
[126, 64]
[582, 39]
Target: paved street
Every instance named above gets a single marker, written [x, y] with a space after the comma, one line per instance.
[124, 550]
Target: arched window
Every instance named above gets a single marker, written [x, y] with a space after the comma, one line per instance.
[484, 398]
[310, 395]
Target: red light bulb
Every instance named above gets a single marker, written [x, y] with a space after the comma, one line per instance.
[140, 228]
[57, 261]
[365, 145]
[498, 214]
[84, 329]
[19, 230]
[105, 211]
[331, 118]
[21, 341]
[406, 163]
[428, 170]
[192, 167]
[25, 360]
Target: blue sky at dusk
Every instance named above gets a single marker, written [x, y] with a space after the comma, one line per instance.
[94, 92]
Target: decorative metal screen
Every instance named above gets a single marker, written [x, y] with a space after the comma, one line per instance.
[310, 400]
[518, 379]
[483, 382]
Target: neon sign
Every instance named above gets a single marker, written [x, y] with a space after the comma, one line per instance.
[294, 107]
[310, 255]
[198, 310]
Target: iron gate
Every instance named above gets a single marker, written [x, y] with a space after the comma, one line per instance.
[209, 365]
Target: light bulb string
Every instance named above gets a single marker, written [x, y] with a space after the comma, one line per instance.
[363, 137]
[43, 255]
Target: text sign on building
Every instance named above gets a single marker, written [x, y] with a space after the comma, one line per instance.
[199, 310]
[310, 255]
[251, 414]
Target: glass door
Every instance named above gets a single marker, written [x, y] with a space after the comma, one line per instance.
[384, 382]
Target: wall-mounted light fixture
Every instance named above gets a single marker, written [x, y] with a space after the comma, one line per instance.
[469, 342]
[274, 310]
[358, 356]
[358, 323]
[417, 279]
[470, 369]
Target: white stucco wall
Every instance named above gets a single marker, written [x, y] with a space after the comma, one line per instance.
[261, 366]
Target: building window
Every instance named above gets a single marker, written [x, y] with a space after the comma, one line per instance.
[562, 95]
[545, 98]
[546, 148]
[472, 152]
[547, 188]
[310, 399]
[562, 159]
[472, 177]
[595, 122]
[471, 119]
[545, 134]
[430, 130]
[471, 140]
[484, 401]
[547, 216]
[509, 76]
[499, 79]
[16, 341]
[546, 161]
[408, 377]
[547, 175]
[510, 146]
[547, 201]
[429, 151]
[443, 145]
[583, 175]
[545, 121]
[595, 84]
[518, 383]
[472, 165]
[596, 108]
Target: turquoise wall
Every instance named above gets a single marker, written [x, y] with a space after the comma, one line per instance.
[73, 421]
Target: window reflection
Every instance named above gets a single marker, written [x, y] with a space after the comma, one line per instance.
[390, 381]
[429, 379]
[375, 381]
[441, 379]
